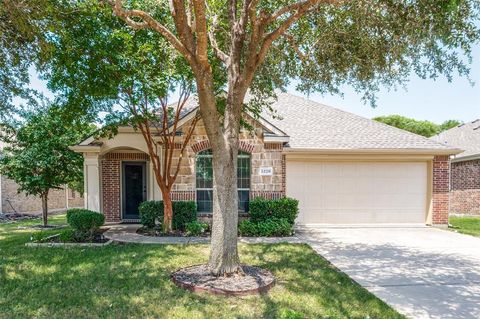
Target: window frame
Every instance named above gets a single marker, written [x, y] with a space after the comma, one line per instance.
[241, 155]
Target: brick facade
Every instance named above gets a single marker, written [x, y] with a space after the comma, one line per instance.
[465, 187]
[269, 154]
[12, 201]
[440, 191]
[110, 172]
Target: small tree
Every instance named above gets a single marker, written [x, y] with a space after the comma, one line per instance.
[37, 155]
[131, 81]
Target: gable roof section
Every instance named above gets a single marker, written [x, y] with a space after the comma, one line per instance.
[313, 125]
[465, 136]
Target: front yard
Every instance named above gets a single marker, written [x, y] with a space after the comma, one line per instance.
[465, 225]
[127, 281]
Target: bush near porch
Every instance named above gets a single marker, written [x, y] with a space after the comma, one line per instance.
[270, 217]
[184, 212]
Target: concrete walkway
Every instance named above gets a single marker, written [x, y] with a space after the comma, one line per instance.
[127, 233]
[422, 272]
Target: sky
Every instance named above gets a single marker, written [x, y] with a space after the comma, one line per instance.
[431, 100]
[436, 101]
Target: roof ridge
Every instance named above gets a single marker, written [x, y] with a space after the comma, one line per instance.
[366, 118]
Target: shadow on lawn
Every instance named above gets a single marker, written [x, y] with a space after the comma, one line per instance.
[122, 281]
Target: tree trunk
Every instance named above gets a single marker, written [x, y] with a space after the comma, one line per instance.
[167, 212]
[224, 258]
[44, 198]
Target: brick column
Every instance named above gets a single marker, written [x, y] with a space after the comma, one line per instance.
[440, 191]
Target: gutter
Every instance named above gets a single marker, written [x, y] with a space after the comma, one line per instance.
[466, 158]
[406, 151]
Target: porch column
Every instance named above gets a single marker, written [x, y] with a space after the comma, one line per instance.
[91, 181]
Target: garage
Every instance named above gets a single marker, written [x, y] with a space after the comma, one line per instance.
[358, 192]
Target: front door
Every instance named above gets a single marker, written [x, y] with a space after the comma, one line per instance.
[134, 188]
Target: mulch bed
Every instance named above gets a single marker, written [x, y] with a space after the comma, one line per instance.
[157, 232]
[98, 238]
[199, 278]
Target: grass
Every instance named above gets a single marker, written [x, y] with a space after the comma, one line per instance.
[132, 281]
[466, 225]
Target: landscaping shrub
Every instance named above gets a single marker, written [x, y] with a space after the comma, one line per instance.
[67, 236]
[272, 227]
[266, 209]
[196, 228]
[183, 213]
[149, 212]
[84, 221]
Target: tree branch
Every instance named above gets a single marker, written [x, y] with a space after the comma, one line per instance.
[148, 21]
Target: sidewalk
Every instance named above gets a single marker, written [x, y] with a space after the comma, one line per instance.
[127, 233]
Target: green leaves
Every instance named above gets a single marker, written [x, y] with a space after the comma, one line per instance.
[37, 156]
[424, 128]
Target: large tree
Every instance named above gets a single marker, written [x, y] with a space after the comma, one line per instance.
[37, 155]
[262, 44]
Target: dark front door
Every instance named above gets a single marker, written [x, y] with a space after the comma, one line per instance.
[134, 188]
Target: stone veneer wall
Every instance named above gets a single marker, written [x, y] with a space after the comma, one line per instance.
[440, 196]
[465, 187]
[269, 154]
[12, 201]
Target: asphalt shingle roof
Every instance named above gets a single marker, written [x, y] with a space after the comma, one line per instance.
[464, 136]
[312, 125]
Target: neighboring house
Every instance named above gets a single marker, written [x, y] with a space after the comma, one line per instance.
[344, 169]
[465, 167]
[11, 201]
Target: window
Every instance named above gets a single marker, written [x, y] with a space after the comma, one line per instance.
[204, 179]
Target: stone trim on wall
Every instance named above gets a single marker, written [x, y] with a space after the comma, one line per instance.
[127, 156]
[440, 191]
[178, 196]
[205, 145]
[266, 194]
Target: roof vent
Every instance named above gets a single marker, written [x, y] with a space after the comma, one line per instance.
[476, 128]
[476, 121]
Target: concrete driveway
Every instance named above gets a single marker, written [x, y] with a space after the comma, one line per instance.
[422, 272]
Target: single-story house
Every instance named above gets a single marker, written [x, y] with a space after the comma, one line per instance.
[343, 168]
[465, 167]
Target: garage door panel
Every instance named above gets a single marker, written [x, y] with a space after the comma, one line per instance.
[367, 192]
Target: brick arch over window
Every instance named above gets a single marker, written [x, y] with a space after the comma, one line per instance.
[205, 145]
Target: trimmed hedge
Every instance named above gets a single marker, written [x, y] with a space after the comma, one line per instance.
[149, 212]
[266, 209]
[84, 220]
[183, 213]
[270, 217]
[268, 228]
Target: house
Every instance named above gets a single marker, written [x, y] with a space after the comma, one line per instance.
[12, 201]
[343, 169]
[465, 167]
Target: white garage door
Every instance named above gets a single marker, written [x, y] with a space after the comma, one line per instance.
[358, 193]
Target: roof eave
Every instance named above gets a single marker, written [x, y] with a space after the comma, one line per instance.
[416, 151]
[466, 158]
[85, 148]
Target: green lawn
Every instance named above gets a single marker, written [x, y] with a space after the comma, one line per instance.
[132, 281]
[466, 225]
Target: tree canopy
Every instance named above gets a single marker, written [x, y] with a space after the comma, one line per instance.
[424, 128]
[37, 155]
